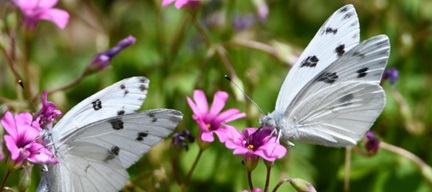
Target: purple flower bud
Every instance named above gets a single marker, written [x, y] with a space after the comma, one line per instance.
[243, 22]
[102, 60]
[179, 139]
[48, 111]
[372, 142]
[392, 74]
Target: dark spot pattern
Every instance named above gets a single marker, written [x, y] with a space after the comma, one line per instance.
[121, 112]
[143, 80]
[345, 100]
[343, 10]
[143, 87]
[97, 104]
[125, 93]
[152, 115]
[348, 15]
[358, 54]
[112, 153]
[328, 77]
[330, 30]
[310, 61]
[116, 124]
[122, 86]
[115, 150]
[141, 135]
[362, 72]
[340, 50]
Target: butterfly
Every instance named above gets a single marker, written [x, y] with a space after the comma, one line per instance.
[331, 95]
[98, 139]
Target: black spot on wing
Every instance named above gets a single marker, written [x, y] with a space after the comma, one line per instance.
[362, 72]
[112, 153]
[331, 30]
[152, 115]
[310, 61]
[143, 87]
[97, 104]
[347, 15]
[345, 100]
[122, 86]
[141, 136]
[344, 9]
[328, 77]
[121, 112]
[340, 50]
[143, 80]
[125, 93]
[116, 124]
[358, 54]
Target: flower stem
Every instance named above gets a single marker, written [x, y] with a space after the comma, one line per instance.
[5, 179]
[71, 84]
[280, 183]
[267, 178]
[249, 175]
[201, 31]
[425, 169]
[348, 151]
[193, 167]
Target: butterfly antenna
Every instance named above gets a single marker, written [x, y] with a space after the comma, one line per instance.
[27, 93]
[247, 96]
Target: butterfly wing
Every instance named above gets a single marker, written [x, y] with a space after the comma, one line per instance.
[339, 34]
[335, 116]
[96, 156]
[123, 97]
[84, 167]
[364, 63]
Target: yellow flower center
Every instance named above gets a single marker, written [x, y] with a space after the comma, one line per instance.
[208, 126]
[250, 146]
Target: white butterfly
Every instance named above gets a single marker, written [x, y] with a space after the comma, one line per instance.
[332, 95]
[98, 139]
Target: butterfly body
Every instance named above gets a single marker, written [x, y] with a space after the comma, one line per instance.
[98, 139]
[332, 96]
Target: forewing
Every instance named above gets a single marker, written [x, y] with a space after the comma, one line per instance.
[364, 63]
[123, 97]
[339, 34]
[131, 135]
[336, 116]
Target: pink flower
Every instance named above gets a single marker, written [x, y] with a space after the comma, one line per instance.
[35, 10]
[48, 112]
[254, 142]
[21, 139]
[213, 120]
[180, 3]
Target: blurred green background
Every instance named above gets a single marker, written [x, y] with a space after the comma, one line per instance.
[172, 54]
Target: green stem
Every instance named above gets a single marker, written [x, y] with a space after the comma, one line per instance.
[71, 84]
[249, 175]
[4, 180]
[202, 32]
[267, 178]
[347, 168]
[193, 167]
[425, 169]
[280, 184]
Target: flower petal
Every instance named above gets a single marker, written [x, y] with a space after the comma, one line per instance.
[57, 16]
[230, 115]
[180, 3]
[8, 122]
[219, 101]
[201, 102]
[207, 136]
[11, 146]
[166, 2]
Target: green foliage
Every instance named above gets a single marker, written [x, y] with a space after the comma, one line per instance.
[171, 52]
